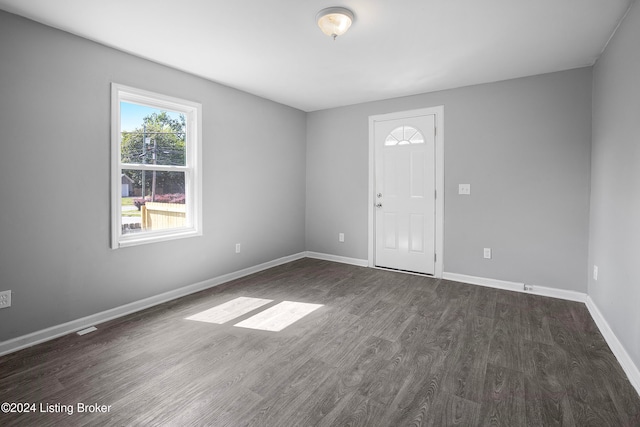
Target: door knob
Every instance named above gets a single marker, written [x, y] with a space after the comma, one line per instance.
[379, 205]
[379, 195]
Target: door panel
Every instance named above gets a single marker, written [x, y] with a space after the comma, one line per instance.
[416, 233]
[390, 175]
[405, 194]
[417, 174]
[390, 230]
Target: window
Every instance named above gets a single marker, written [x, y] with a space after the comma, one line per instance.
[155, 167]
[404, 135]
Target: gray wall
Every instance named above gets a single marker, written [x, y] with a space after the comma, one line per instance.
[54, 170]
[614, 244]
[524, 146]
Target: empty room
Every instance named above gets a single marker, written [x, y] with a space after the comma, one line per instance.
[319, 213]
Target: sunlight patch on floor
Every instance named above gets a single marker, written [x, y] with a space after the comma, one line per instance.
[279, 316]
[230, 310]
[273, 319]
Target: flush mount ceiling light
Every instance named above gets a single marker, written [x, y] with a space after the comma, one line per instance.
[334, 21]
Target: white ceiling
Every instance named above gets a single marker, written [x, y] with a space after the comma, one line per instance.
[274, 49]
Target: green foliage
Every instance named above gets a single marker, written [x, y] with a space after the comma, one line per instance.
[160, 140]
[165, 138]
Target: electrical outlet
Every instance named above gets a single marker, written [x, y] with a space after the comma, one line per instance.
[595, 272]
[487, 253]
[464, 189]
[5, 299]
[341, 237]
[237, 248]
[528, 288]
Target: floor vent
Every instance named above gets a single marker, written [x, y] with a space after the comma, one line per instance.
[87, 330]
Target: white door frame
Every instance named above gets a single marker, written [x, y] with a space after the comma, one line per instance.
[439, 173]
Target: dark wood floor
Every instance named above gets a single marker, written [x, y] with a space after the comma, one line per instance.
[387, 349]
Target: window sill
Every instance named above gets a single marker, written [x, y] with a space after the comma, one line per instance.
[135, 240]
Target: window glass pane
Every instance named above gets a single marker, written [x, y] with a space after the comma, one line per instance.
[417, 138]
[390, 140]
[409, 132]
[152, 136]
[152, 200]
[397, 133]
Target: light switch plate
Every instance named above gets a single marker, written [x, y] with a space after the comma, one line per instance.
[464, 189]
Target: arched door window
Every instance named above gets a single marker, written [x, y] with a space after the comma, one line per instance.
[404, 135]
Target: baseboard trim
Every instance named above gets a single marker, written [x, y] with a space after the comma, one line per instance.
[560, 294]
[337, 258]
[53, 332]
[517, 287]
[483, 281]
[618, 350]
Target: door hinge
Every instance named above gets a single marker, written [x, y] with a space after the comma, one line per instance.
[435, 257]
[435, 131]
[435, 194]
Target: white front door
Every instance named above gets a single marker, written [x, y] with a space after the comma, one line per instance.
[405, 185]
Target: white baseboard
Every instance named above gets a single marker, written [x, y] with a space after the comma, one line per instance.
[616, 346]
[559, 293]
[483, 281]
[47, 334]
[336, 258]
[517, 287]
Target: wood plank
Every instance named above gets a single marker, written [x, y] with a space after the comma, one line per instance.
[455, 411]
[504, 397]
[535, 321]
[283, 401]
[466, 366]
[506, 344]
[357, 411]
[546, 394]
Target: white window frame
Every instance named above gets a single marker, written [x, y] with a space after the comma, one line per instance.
[192, 169]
